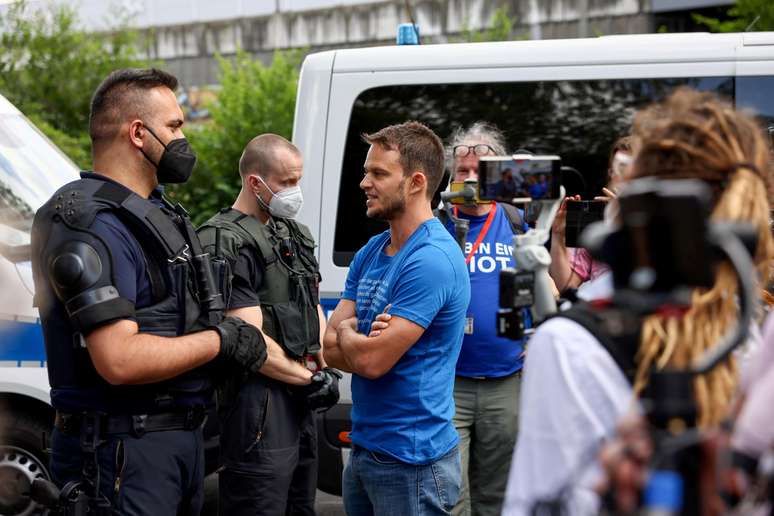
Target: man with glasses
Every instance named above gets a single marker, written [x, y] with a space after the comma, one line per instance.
[488, 374]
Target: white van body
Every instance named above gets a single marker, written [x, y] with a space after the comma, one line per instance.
[31, 169]
[335, 86]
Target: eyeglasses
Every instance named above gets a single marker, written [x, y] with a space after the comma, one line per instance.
[482, 149]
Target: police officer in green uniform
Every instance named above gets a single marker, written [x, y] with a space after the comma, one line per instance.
[131, 315]
[271, 279]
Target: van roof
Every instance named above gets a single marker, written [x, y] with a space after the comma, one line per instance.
[625, 49]
[6, 108]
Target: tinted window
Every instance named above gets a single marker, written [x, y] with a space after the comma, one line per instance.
[577, 120]
[757, 94]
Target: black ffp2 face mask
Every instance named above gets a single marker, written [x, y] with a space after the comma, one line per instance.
[177, 161]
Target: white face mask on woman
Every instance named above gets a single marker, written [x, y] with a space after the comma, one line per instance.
[284, 204]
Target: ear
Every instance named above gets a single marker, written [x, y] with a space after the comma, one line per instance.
[136, 132]
[254, 184]
[418, 183]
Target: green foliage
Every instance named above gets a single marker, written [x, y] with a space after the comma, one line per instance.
[741, 16]
[253, 99]
[502, 26]
[77, 148]
[49, 68]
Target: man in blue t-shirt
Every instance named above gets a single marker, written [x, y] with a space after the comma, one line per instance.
[398, 329]
[486, 390]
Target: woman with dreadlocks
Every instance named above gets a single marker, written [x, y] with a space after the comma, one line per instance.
[573, 393]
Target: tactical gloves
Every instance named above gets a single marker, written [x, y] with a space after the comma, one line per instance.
[323, 392]
[242, 343]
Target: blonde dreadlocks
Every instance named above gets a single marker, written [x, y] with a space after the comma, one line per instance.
[696, 135]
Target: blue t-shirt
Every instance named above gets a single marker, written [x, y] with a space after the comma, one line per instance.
[484, 354]
[407, 413]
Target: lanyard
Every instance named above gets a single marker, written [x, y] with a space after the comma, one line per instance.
[482, 233]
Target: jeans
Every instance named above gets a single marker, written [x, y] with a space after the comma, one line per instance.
[486, 417]
[379, 485]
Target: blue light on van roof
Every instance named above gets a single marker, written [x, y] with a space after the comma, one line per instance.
[408, 34]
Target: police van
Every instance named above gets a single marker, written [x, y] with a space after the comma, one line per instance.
[31, 169]
[571, 98]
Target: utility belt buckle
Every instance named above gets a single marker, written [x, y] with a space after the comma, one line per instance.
[92, 430]
[138, 425]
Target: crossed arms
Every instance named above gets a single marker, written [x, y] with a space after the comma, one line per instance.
[370, 356]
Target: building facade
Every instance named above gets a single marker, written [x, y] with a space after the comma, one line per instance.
[187, 34]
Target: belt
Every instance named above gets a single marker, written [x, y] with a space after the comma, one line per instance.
[517, 374]
[136, 425]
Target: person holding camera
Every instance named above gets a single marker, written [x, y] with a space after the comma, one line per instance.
[571, 267]
[576, 387]
[488, 373]
[268, 438]
[131, 317]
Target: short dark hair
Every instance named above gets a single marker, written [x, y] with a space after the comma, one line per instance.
[120, 96]
[419, 148]
[260, 154]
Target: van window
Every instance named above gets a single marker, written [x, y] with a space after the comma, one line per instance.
[31, 169]
[577, 120]
[755, 93]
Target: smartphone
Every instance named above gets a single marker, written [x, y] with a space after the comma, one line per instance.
[519, 178]
[579, 215]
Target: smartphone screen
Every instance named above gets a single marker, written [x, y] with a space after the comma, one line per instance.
[522, 177]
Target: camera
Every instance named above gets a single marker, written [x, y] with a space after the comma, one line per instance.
[661, 243]
[516, 293]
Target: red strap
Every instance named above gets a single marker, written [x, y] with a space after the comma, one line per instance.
[482, 234]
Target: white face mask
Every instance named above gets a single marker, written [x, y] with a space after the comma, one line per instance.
[284, 204]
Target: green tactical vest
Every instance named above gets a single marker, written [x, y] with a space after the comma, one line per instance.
[289, 293]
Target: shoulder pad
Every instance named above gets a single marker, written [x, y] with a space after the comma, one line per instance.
[78, 267]
[75, 203]
[220, 240]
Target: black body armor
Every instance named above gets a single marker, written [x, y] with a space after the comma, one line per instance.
[76, 293]
[289, 294]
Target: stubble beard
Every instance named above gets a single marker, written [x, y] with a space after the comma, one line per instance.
[394, 207]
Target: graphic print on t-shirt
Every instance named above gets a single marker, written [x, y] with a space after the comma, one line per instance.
[490, 257]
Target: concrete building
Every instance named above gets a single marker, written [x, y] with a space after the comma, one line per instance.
[186, 34]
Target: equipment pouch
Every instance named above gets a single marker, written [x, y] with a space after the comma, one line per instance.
[296, 326]
[170, 316]
[221, 271]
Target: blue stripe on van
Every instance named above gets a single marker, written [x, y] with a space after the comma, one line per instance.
[328, 305]
[22, 342]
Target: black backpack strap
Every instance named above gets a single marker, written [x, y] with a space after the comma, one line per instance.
[514, 217]
[621, 348]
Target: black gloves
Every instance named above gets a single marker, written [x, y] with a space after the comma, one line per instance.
[242, 343]
[323, 392]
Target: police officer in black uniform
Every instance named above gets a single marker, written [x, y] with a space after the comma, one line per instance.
[131, 316]
[268, 436]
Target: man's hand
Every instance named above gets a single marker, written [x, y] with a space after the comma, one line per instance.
[323, 392]
[241, 343]
[381, 323]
